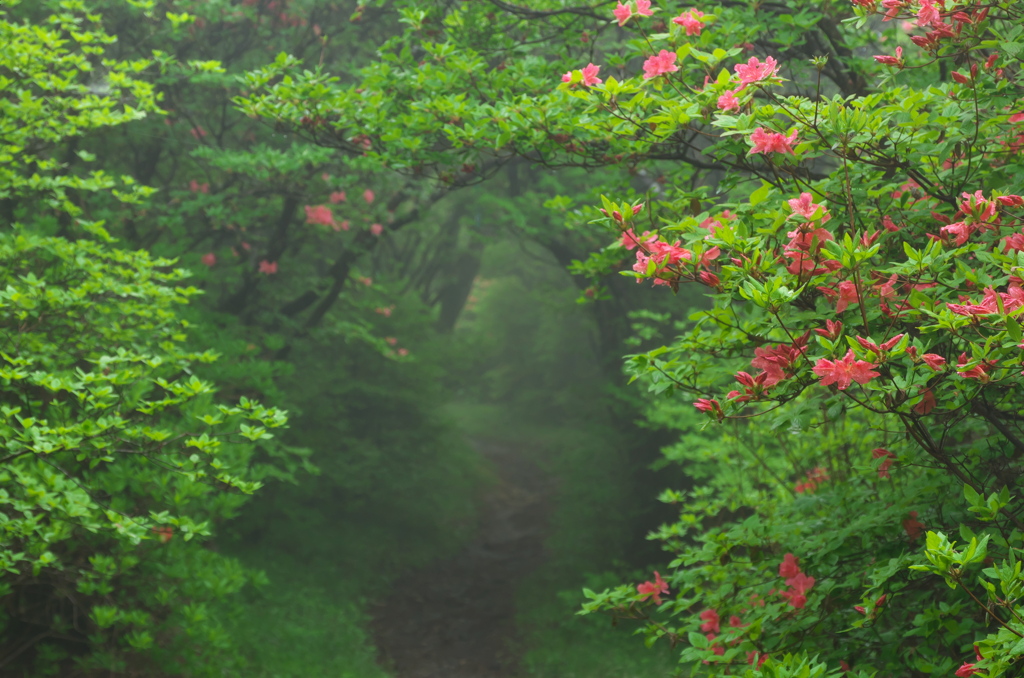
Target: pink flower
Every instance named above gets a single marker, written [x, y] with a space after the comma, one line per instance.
[711, 407]
[832, 329]
[643, 8]
[754, 71]
[771, 142]
[567, 77]
[366, 280]
[336, 197]
[622, 12]
[664, 62]
[933, 361]
[979, 371]
[800, 582]
[728, 102]
[1016, 117]
[268, 267]
[384, 311]
[653, 589]
[321, 214]
[805, 207]
[799, 585]
[841, 372]
[690, 21]
[590, 75]
[198, 132]
[209, 259]
[790, 566]
[391, 341]
[368, 196]
[966, 670]
[847, 295]
[1011, 301]
[197, 187]
[711, 621]
[891, 60]
[928, 15]
[777, 360]
[376, 229]
[343, 226]
[402, 352]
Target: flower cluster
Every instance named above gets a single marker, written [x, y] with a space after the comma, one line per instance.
[653, 590]
[797, 582]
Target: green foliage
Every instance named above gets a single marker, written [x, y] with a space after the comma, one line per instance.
[856, 225]
[118, 461]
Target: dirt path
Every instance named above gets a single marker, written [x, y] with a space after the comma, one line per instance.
[456, 618]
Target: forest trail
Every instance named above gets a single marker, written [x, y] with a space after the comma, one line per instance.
[456, 618]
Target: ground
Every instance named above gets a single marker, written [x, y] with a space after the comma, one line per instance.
[456, 618]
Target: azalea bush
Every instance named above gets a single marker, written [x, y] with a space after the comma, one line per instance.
[863, 261]
[840, 179]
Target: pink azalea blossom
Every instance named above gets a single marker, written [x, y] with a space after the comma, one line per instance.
[728, 102]
[928, 15]
[622, 12]
[690, 21]
[321, 215]
[343, 226]
[805, 207]
[590, 75]
[653, 589]
[772, 142]
[777, 361]
[376, 229]
[755, 71]
[712, 407]
[933, 361]
[847, 295]
[660, 64]
[268, 267]
[979, 371]
[891, 60]
[368, 196]
[1011, 301]
[711, 621]
[567, 77]
[790, 566]
[402, 352]
[966, 669]
[209, 259]
[643, 8]
[832, 330]
[844, 371]
[391, 341]
[336, 197]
